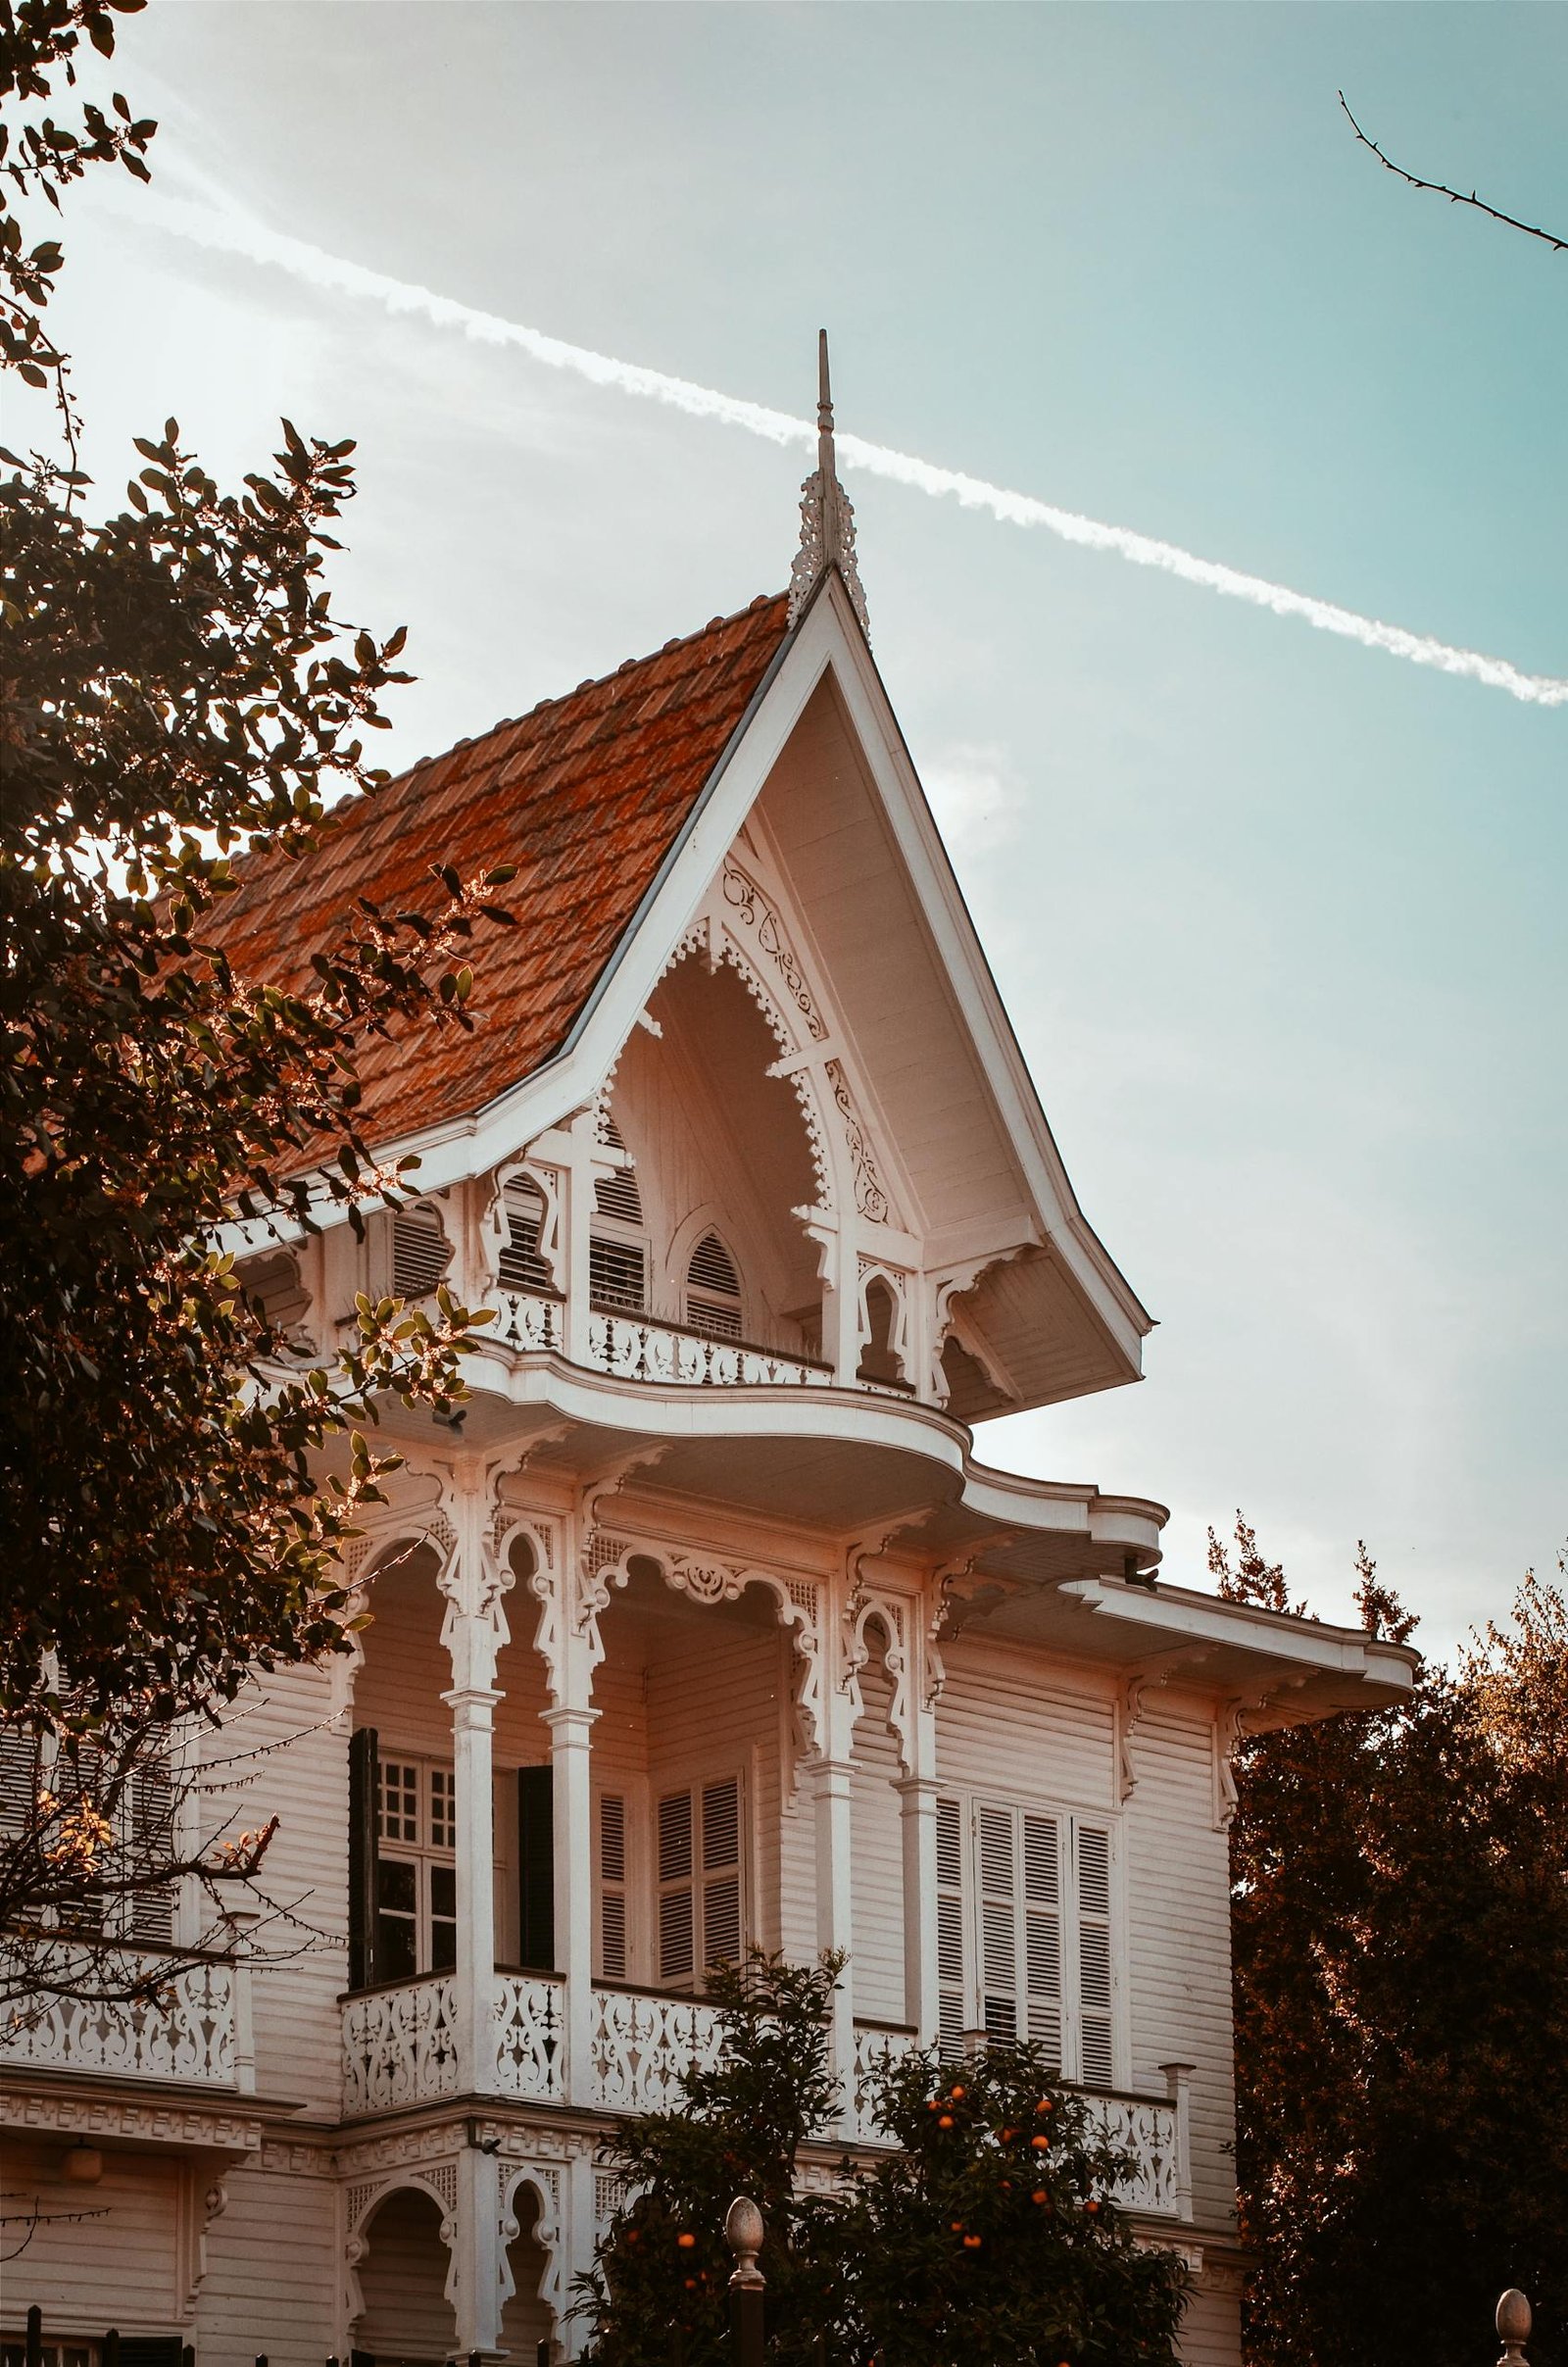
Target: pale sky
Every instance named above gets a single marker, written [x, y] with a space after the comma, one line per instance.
[1278, 918]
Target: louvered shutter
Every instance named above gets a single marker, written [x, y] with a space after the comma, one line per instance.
[951, 2015]
[19, 1780]
[611, 1887]
[617, 1275]
[420, 1251]
[713, 1290]
[722, 1873]
[152, 1842]
[677, 1937]
[1095, 2004]
[536, 1869]
[996, 1888]
[616, 1195]
[363, 1790]
[1042, 1932]
[521, 1266]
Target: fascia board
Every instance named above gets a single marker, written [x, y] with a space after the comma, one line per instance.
[958, 944]
[1274, 1636]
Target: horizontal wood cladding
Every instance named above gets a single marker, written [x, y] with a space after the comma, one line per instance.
[403, 2278]
[128, 2248]
[301, 1968]
[1008, 1723]
[271, 2271]
[1211, 2325]
[876, 1957]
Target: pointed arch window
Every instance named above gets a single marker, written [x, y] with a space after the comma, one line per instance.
[713, 1290]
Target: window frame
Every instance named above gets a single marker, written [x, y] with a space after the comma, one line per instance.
[1071, 1821]
[424, 1853]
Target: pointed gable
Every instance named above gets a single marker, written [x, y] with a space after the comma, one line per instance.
[587, 795]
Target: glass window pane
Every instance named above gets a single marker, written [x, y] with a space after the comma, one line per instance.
[395, 1956]
[396, 1886]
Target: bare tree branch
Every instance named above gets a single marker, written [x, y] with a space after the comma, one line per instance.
[1456, 197]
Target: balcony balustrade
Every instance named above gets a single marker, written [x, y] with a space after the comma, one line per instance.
[400, 2049]
[193, 2033]
[638, 1348]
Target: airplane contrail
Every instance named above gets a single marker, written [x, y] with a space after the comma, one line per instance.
[237, 234]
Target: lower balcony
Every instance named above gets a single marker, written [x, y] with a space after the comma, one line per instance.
[400, 2049]
[191, 2031]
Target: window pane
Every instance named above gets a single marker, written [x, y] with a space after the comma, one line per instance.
[443, 1809]
[395, 1956]
[444, 1891]
[396, 1887]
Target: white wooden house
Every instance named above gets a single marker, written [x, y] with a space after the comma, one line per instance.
[710, 1624]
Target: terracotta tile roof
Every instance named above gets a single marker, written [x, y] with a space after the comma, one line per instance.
[586, 795]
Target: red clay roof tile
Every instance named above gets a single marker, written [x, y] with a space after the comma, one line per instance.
[585, 794]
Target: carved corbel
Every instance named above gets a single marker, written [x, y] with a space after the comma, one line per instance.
[1230, 1732]
[1136, 1683]
[959, 1591]
[895, 1614]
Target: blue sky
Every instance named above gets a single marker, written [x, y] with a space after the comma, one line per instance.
[1278, 918]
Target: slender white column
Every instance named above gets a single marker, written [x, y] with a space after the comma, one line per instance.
[572, 1802]
[918, 1802]
[475, 2285]
[471, 1642]
[831, 1780]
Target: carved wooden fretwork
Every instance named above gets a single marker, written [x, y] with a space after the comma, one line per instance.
[755, 910]
[870, 1197]
[959, 1591]
[896, 1616]
[827, 519]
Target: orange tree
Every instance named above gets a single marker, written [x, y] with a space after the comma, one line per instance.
[985, 2232]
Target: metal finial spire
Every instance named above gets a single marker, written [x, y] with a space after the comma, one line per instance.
[827, 519]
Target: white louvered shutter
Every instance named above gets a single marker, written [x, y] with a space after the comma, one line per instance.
[611, 1885]
[615, 1194]
[713, 1290]
[19, 1780]
[997, 1889]
[678, 1936]
[1097, 2046]
[617, 1274]
[722, 1873]
[1042, 1932]
[420, 1251]
[950, 1993]
[521, 1265]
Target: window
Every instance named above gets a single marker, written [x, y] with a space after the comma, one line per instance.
[144, 1832]
[521, 1265]
[415, 1871]
[420, 1251]
[617, 1274]
[713, 1290]
[1025, 1948]
[699, 1855]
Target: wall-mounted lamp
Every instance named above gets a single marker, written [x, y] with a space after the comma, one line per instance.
[83, 2164]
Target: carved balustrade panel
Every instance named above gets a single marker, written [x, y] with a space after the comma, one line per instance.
[1147, 2130]
[399, 2045]
[642, 2045]
[635, 1349]
[529, 1323]
[529, 2037]
[872, 2048]
[185, 2034]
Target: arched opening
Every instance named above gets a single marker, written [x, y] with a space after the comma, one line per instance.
[709, 1130]
[406, 2320]
[879, 1361]
[526, 2321]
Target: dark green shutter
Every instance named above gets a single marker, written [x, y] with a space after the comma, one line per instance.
[364, 1825]
[536, 1869]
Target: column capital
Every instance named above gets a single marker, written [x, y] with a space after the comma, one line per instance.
[472, 1696]
[917, 1787]
[566, 1718]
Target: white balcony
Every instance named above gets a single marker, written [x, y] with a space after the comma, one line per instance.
[193, 2033]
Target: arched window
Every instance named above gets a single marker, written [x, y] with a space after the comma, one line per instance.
[713, 1290]
[420, 1251]
[521, 1265]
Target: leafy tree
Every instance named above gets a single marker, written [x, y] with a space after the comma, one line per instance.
[1400, 1920]
[178, 690]
[987, 2234]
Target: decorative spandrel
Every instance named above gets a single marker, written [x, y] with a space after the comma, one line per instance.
[827, 516]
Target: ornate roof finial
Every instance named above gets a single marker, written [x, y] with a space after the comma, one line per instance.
[827, 520]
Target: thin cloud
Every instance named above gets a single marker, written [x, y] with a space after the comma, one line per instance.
[232, 233]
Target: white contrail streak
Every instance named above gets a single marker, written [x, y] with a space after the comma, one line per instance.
[236, 234]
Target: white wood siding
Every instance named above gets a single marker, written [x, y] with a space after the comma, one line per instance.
[272, 2270]
[122, 2266]
[403, 2278]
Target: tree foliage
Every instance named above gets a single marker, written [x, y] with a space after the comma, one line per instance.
[986, 2234]
[179, 694]
[1400, 1925]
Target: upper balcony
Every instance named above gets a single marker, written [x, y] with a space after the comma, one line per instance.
[193, 2032]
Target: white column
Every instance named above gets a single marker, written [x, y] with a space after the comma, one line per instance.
[475, 2283]
[831, 1780]
[917, 1808]
[571, 1804]
[576, 1215]
[471, 1642]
